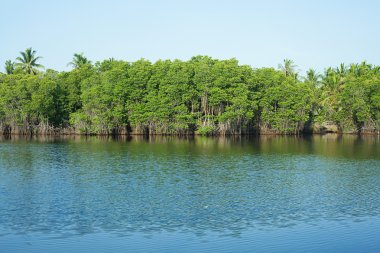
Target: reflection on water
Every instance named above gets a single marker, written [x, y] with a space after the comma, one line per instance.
[226, 186]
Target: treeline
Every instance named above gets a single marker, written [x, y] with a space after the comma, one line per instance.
[200, 96]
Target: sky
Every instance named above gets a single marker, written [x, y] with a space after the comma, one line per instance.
[314, 34]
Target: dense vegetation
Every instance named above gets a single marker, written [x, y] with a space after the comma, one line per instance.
[201, 96]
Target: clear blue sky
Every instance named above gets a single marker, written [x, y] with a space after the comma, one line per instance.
[314, 34]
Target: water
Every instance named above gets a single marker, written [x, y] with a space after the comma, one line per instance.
[268, 194]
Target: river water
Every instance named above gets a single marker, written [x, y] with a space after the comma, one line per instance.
[166, 194]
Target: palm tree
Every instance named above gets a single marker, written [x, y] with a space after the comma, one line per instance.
[78, 61]
[28, 61]
[332, 86]
[288, 68]
[312, 78]
[361, 69]
[341, 70]
[332, 81]
[376, 69]
[9, 67]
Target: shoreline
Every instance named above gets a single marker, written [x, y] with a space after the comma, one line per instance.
[188, 135]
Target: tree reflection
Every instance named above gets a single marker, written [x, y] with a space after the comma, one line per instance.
[85, 185]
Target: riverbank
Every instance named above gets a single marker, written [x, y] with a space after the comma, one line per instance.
[128, 131]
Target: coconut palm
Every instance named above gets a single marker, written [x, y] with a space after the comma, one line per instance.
[9, 67]
[28, 61]
[312, 78]
[376, 69]
[288, 68]
[78, 61]
[361, 69]
[332, 86]
[332, 82]
[341, 70]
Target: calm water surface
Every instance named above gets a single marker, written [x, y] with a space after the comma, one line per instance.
[268, 194]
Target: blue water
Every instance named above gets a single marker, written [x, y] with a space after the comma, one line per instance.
[268, 194]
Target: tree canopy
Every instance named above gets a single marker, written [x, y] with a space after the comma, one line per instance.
[199, 96]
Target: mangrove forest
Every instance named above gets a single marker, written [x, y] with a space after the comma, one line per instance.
[200, 96]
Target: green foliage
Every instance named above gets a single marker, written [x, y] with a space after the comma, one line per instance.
[206, 130]
[202, 96]
[27, 100]
[9, 67]
[288, 68]
[28, 61]
[103, 97]
[79, 60]
[286, 107]
[348, 97]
